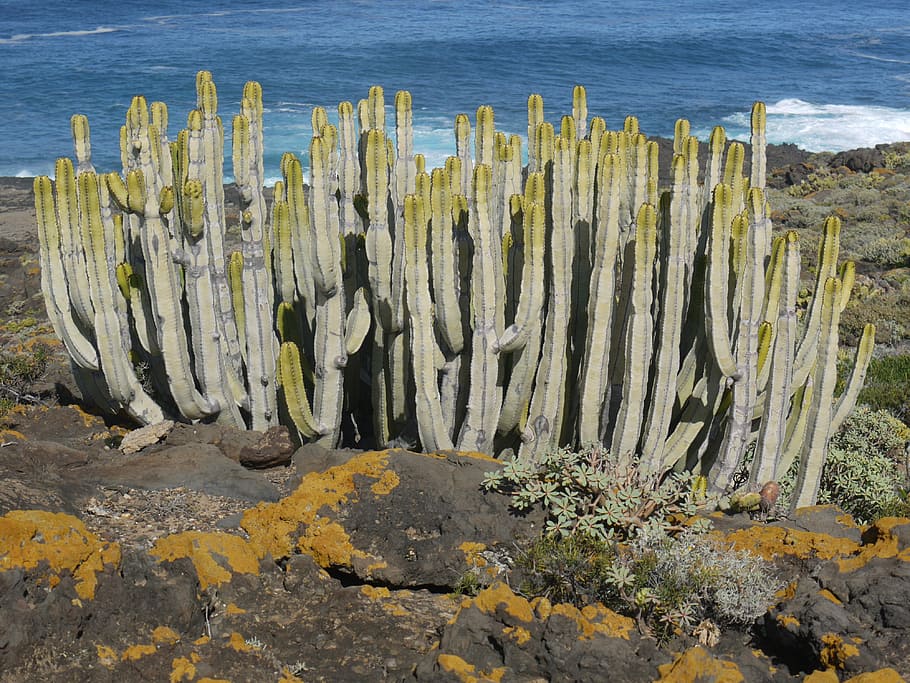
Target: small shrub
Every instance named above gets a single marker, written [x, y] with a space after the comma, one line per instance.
[888, 251]
[668, 583]
[19, 371]
[865, 472]
[589, 491]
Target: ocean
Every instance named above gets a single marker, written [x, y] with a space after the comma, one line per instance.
[834, 76]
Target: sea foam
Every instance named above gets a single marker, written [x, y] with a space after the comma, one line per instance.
[826, 127]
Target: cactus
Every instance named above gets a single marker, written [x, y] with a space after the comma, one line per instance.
[486, 306]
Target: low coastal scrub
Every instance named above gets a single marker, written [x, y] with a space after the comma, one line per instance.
[626, 539]
[19, 371]
[688, 583]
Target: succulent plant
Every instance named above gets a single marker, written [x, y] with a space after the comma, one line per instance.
[505, 308]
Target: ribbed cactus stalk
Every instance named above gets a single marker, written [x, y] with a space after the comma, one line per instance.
[261, 343]
[487, 287]
[562, 303]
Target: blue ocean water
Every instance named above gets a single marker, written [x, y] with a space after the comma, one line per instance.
[834, 76]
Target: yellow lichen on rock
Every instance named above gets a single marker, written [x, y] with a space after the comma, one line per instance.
[770, 542]
[182, 669]
[205, 549]
[697, 664]
[272, 525]
[107, 656]
[517, 633]
[165, 635]
[466, 672]
[828, 595]
[788, 621]
[826, 676]
[238, 642]
[835, 652]
[593, 619]
[30, 537]
[134, 652]
[881, 676]
[499, 594]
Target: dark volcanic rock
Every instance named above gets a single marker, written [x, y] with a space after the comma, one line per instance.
[201, 467]
[428, 522]
[860, 160]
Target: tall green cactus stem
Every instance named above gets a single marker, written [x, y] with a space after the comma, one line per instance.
[262, 344]
[517, 395]
[861, 361]
[424, 352]
[547, 402]
[759, 144]
[531, 298]
[111, 333]
[595, 367]
[330, 353]
[772, 432]
[444, 262]
[53, 273]
[638, 337]
[812, 455]
[155, 263]
[676, 229]
[751, 284]
[290, 379]
[535, 118]
[827, 268]
[487, 285]
[580, 111]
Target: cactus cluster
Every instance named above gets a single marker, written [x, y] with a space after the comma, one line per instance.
[487, 305]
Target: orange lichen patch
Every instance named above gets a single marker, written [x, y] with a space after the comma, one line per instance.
[499, 594]
[202, 640]
[165, 635]
[205, 549]
[387, 482]
[7, 434]
[472, 552]
[467, 673]
[233, 609]
[835, 652]
[329, 544]
[29, 537]
[206, 679]
[826, 676]
[593, 619]
[288, 677]
[271, 525]
[542, 607]
[107, 656]
[375, 592]
[788, 592]
[828, 595]
[182, 669]
[847, 521]
[881, 676]
[134, 652]
[517, 633]
[788, 621]
[238, 643]
[88, 419]
[880, 541]
[697, 664]
[770, 542]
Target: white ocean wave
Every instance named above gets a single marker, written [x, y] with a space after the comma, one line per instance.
[22, 37]
[826, 127]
